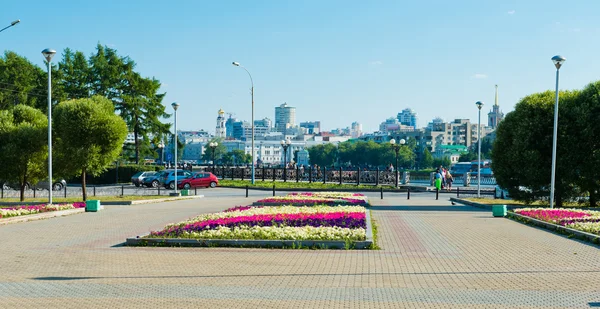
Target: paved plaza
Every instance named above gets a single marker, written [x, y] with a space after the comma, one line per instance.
[433, 255]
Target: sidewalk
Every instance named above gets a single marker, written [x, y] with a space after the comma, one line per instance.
[433, 255]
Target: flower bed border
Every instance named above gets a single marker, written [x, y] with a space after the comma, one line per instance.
[595, 239]
[40, 216]
[366, 205]
[317, 244]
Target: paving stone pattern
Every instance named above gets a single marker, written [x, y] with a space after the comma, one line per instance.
[434, 255]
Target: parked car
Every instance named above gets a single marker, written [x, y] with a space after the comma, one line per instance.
[56, 186]
[201, 179]
[138, 178]
[168, 178]
[153, 181]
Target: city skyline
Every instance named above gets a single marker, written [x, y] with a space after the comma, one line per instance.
[336, 62]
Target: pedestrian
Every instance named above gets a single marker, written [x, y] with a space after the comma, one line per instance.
[438, 180]
[449, 180]
[443, 172]
[391, 168]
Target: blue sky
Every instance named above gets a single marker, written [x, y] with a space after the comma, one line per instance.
[335, 61]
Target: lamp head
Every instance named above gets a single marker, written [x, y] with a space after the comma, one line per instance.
[48, 54]
[479, 104]
[175, 105]
[282, 142]
[393, 141]
[237, 64]
[15, 22]
[288, 142]
[402, 141]
[558, 61]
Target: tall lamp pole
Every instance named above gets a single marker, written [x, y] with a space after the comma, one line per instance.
[397, 150]
[558, 61]
[479, 106]
[237, 64]
[213, 147]
[285, 144]
[175, 106]
[48, 54]
[11, 25]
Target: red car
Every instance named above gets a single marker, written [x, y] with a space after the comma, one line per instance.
[200, 179]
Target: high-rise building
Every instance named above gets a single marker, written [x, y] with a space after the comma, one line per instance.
[220, 129]
[356, 130]
[495, 116]
[285, 117]
[408, 118]
[266, 122]
[312, 127]
[229, 125]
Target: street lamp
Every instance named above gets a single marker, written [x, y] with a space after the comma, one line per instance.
[48, 54]
[213, 146]
[237, 64]
[11, 24]
[285, 144]
[175, 106]
[161, 146]
[479, 106]
[397, 149]
[558, 61]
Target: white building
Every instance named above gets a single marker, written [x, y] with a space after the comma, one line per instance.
[220, 130]
[285, 117]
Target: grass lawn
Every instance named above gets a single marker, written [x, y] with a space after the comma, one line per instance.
[296, 185]
[79, 199]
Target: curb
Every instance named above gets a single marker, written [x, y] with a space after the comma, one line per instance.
[366, 205]
[482, 206]
[401, 189]
[41, 216]
[151, 201]
[595, 239]
[322, 244]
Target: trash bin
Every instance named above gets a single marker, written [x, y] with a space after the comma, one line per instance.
[499, 210]
[185, 192]
[92, 205]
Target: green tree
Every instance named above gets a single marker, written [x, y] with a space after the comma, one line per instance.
[322, 155]
[241, 157]
[23, 145]
[74, 76]
[89, 137]
[523, 147]
[21, 82]
[426, 159]
[220, 150]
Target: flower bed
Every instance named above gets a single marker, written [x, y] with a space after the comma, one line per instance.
[583, 220]
[322, 198]
[341, 223]
[34, 209]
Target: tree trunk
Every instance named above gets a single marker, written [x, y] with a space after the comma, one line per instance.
[22, 187]
[593, 198]
[83, 185]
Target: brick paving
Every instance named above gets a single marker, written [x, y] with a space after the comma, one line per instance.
[434, 255]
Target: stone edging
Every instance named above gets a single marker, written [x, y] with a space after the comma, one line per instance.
[532, 221]
[40, 216]
[554, 227]
[325, 244]
[150, 201]
[303, 204]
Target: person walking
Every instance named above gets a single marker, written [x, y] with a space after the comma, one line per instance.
[449, 180]
[438, 180]
[443, 172]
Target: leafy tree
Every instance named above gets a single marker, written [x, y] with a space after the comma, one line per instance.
[322, 155]
[241, 157]
[21, 82]
[74, 76]
[23, 145]
[89, 137]
[445, 162]
[468, 157]
[220, 150]
[426, 159]
[523, 146]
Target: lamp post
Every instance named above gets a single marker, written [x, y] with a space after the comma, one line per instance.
[213, 147]
[479, 106]
[48, 54]
[175, 106]
[11, 24]
[237, 64]
[558, 61]
[161, 145]
[397, 149]
[285, 144]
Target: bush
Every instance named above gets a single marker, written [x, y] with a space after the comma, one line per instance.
[110, 175]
